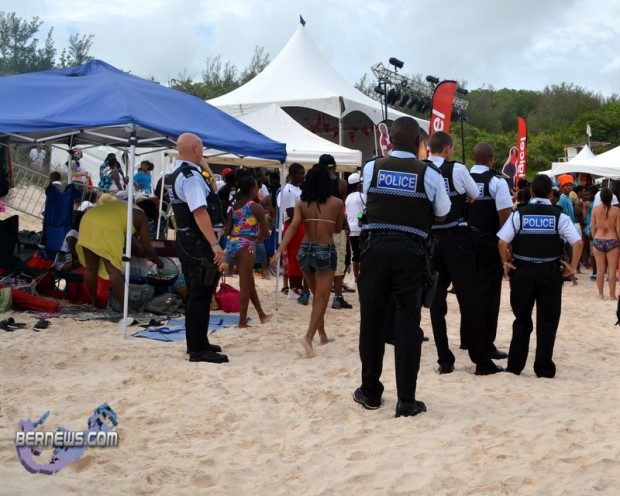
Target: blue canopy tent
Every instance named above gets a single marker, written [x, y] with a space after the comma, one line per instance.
[96, 103]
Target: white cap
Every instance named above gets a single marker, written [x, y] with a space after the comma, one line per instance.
[354, 178]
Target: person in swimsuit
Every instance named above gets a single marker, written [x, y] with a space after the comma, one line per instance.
[323, 216]
[605, 225]
[244, 227]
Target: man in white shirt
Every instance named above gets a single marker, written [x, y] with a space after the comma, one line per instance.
[487, 215]
[37, 156]
[354, 206]
[455, 263]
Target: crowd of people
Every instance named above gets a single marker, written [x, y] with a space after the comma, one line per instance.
[408, 229]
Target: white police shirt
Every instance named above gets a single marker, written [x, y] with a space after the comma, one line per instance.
[463, 182]
[191, 190]
[498, 188]
[433, 184]
[566, 228]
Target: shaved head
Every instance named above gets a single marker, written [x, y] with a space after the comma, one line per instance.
[405, 134]
[484, 154]
[189, 147]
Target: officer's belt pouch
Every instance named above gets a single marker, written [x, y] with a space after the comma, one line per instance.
[430, 288]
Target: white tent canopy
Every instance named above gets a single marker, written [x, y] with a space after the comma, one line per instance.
[301, 77]
[562, 167]
[302, 146]
[303, 83]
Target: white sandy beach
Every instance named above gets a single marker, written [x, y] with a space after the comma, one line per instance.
[273, 422]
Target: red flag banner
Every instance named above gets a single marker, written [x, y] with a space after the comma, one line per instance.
[441, 110]
[522, 150]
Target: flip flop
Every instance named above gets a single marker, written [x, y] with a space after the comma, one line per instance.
[41, 325]
[11, 322]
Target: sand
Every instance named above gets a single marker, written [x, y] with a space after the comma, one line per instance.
[274, 422]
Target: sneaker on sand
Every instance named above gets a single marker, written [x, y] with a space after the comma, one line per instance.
[339, 303]
[304, 298]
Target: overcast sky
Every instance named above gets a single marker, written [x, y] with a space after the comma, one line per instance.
[518, 44]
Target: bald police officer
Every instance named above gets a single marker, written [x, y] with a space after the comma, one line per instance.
[486, 215]
[537, 231]
[197, 211]
[404, 196]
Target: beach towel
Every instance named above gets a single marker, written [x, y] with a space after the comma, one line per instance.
[174, 330]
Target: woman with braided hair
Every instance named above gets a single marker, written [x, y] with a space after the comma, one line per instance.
[322, 215]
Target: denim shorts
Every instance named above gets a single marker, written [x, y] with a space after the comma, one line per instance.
[314, 257]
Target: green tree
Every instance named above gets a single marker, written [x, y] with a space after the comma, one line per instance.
[19, 51]
[259, 61]
[77, 53]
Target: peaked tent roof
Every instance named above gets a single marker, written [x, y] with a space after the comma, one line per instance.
[584, 154]
[300, 76]
[97, 103]
[606, 164]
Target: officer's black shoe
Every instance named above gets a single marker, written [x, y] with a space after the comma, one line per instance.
[445, 368]
[463, 346]
[489, 369]
[208, 356]
[508, 369]
[425, 338]
[407, 409]
[212, 347]
[498, 355]
[361, 398]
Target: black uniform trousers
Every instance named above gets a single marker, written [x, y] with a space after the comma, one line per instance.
[540, 284]
[455, 263]
[490, 273]
[201, 277]
[392, 267]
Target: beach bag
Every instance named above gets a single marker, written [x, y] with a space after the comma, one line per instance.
[227, 298]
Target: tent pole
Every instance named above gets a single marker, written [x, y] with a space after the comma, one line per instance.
[127, 257]
[340, 130]
[279, 227]
[161, 203]
[377, 145]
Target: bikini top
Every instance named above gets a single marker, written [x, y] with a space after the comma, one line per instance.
[321, 220]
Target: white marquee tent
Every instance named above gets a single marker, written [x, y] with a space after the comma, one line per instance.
[302, 146]
[606, 165]
[302, 82]
[574, 163]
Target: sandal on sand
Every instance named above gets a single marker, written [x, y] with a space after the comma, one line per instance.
[41, 324]
[9, 325]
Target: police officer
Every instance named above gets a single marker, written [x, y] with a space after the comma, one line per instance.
[404, 195]
[486, 215]
[197, 211]
[536, 231]
[454, 260]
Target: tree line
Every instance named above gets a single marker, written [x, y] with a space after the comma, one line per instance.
[556, 116]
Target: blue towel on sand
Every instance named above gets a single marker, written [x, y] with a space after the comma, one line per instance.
[174, 330]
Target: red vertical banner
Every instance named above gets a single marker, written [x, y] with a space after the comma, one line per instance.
[521, 149]
[441, 110]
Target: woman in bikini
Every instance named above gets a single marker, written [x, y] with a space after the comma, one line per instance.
[605, 227]
[322, 216]
[245, 226]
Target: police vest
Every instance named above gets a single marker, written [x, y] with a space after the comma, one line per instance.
[482, 213]
[537, 239]
[458, 201]
[183, 216]
[397, 199]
